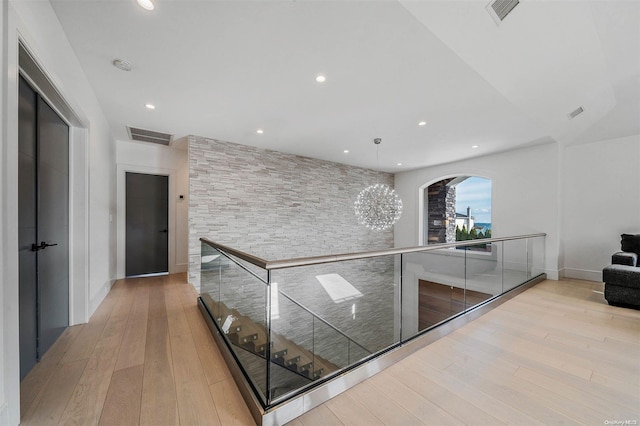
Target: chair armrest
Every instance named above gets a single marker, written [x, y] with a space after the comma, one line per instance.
[625, 258]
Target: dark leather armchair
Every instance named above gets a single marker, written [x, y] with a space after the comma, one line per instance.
[622, 277]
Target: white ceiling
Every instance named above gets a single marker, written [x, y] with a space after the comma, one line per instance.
[222, 69]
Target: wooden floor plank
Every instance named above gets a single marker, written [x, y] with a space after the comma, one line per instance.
[192, 390]
[159, 404]
[594, 356]
[178, 324]
[48, 408]
[351, 412]
[209, 355]
[134, 340]
[476, 395]
[598, 407]
[522, 349]
[34, 383]
[122, 405]
[385, 409]
[518, 394]
[321, 416]
[463, 410]
[484, 358]
[86, 342]
[230, 406]
[411, 401]
[87, 400]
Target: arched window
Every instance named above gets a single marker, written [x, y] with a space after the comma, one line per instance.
[457, 209]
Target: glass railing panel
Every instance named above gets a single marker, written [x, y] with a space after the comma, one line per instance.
[514, 263]
[210, 259]
[330, 350]
[483, 272]
[305, 348]
[291, 349]
[256, 270]
[432, 282]
[237, 299]
[535, 251]
[357, 297]
[357, 352]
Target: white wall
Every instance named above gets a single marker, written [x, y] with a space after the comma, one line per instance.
[157, 159]
[36, 24]
[4, 412]
[524, 195]
[601, 201]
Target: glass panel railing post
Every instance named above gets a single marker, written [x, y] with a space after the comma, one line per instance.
[502, 265]
[466, 275]
[267, 358]
[526, 248]
[400, 301]
[314, 350]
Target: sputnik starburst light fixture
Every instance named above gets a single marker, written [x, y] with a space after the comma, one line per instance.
[378, 207]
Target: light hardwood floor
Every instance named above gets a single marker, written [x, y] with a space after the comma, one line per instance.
[555, 354]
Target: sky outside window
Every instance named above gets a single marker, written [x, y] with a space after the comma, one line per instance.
[475, 192]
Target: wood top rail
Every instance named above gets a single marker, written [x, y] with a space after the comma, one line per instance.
[316, 260]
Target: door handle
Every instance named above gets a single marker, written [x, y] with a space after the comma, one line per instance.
[42, 246]
[164, 231]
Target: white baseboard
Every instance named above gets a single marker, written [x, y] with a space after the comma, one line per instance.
[582, 274]
[100, 295]
[552, 274]
[181, 267]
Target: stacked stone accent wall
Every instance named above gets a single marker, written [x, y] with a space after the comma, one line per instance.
[451, 215]
[279, 206]
[441, 205]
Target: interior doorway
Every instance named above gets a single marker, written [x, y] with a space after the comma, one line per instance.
[43, 226]
[147, 224]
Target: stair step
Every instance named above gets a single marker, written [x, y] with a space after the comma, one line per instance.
[253, 337]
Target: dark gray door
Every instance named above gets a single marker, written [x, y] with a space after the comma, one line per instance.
[53, 225]
[147, 224]
[43, 184]
[27, 197]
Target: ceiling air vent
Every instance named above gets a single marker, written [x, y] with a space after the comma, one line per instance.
[499, 9]
[575, 113]
[149, 136]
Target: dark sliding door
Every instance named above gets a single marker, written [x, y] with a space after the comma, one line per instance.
[147, 224]
[43, 186]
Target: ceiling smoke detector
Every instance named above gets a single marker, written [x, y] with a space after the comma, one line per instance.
[122, 64]
[142, 135]
[499, 9]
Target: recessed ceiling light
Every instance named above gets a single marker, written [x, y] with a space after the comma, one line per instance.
[123, 65]
[422, 123]
[399, 164]
[475, 146]
[346, 151]
[259, 131]
[146, 4]
[150, 106]
[321, 78]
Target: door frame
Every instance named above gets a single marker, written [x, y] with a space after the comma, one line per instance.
[38, 79]
[122, 170]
